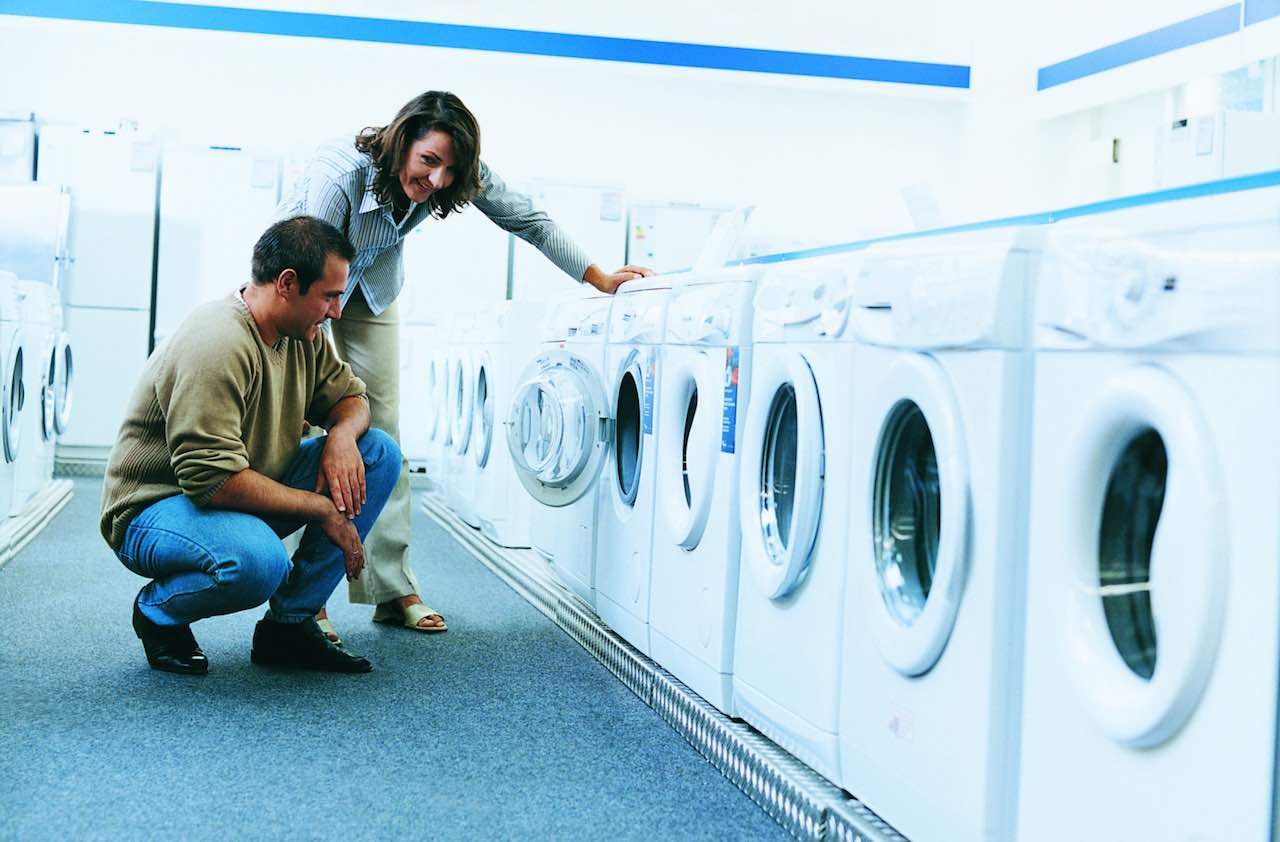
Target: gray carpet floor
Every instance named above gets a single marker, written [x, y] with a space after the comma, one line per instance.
[502, 727]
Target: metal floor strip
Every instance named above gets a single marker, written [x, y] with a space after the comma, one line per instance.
[807, 805]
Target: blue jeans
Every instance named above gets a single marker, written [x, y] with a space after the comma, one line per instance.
[205, 562]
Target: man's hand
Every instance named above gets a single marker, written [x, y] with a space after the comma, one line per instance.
[342, 473]
[609, 283]
[342, 532]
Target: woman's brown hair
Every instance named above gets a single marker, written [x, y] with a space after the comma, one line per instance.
[388, 145]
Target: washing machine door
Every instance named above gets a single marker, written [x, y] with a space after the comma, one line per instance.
[483, 403]
[559, 428]
[632, 419]
[14, 398]
[462, 392]
[1144, 508]
[48, 395]
[63, 381]
[433, 394]
[919, 514]
[782, 473]
[689, 445]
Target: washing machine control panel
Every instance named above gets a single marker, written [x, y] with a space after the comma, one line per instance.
[805, 299]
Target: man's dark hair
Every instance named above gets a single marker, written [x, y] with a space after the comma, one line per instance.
[300, 243]
[388, 145]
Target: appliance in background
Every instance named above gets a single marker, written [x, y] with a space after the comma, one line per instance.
[35, 232]
[417, 344]
[453, 264]
[794, 502]
[508, 337]
[702, 400]
[594, 217]
[460, 466]
[435, 418]
[1221, 144]
[669, 236]
[626, 492]
[559, 430]
[937, 556]
[12, 393]
[1153, 599]
[37, 302]
[17, 148]
[113, 179]
[215, 202]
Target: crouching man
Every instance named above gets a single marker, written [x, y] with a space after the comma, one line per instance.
[208, 471]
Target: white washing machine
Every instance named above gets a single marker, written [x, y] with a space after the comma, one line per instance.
[416, 340]
[624, 525]
[937, 532]
[435, 410]
[507, 339]
[702, 400]
[794, 487]
[559, 430]
[37, 303]
[12, 393]
[460, 467]
[1153, 629]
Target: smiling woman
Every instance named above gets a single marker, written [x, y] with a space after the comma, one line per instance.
[424, 164]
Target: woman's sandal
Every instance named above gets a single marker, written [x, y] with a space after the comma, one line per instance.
[329, 631]
[392, 614]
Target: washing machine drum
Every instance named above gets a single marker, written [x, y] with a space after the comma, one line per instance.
[64, 372]
[559, 428]
[483, 422]
[14, 399]
[632, 401]
[919, 514]
[783, 473]
[1148, 556]
[692, 404]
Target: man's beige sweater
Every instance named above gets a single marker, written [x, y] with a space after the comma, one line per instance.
[213, 400]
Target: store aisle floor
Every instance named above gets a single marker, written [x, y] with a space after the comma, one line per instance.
[502, 727]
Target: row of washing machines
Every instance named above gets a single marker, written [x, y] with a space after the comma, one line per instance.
[36, 367]
[981, 526]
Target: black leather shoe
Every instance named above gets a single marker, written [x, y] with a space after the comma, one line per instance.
[169, 648]
[301, 645]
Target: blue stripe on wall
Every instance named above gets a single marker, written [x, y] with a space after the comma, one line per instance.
[1260, 10]
[489, 39]
[1206, 27]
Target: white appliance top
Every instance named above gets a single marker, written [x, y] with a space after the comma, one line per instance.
[1173, 286]
[970, 290]
[35, 224]
[639, 312]
[806, 299]
[713, 309]
[581, 317]
[9, 308]
[462, 328]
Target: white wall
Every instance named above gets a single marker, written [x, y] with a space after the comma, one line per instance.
[836, 153]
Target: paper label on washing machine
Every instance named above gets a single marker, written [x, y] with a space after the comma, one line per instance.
[729, 420]
[646, 410]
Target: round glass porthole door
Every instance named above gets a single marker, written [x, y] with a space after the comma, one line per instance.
[14, 400]
[484, 415]
[462, 394]
[1131, 508]
[558, 428]
[692, 400]
[782, 473]
[906, 506]
[1147, 557]
[48, 395]
[917, 514]
[64, 381]
[628, 433]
